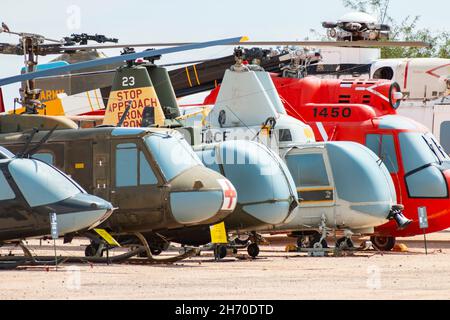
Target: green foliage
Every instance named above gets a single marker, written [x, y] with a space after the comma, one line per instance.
[406, 30]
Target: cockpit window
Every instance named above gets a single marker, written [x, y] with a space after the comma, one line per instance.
[5, 154]
[419, 150]
[40, 183]
[308, 170]
[6, 193]
[172, 153]
[383, 146]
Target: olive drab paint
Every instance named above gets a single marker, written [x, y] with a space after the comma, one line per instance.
[132, 85]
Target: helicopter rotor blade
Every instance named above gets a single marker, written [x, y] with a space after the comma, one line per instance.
[354, 44]
[117, 59]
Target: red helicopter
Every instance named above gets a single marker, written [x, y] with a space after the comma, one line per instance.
[364, 111]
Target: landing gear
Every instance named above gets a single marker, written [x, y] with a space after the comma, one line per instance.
[253, 250]
[383, 243]
[220, 252]
[94, 250]
[253, 247]
[317, 241]
[155, 252]
[344, 243]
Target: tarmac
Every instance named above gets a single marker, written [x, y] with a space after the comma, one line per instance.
[275, 274]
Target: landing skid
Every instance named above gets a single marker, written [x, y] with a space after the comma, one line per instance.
[187, 253]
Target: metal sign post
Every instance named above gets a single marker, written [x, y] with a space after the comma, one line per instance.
[55, 234]
[423, 222]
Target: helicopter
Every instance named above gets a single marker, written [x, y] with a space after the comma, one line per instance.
[316, 168]
[355, 26]
[31, 190]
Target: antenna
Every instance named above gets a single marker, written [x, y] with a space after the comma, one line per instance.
[32, 151]
[27, 144]
[125, 114]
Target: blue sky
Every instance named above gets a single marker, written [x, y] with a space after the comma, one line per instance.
[181, 20]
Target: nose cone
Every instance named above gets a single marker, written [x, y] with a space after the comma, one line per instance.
[82, 212]
[201, 196]
[266, 191]
[363, 185]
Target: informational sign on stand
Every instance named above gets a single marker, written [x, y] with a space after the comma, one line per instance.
[423, 223]
[54, 226]
[55, 233]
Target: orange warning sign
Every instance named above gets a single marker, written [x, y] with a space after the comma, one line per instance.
[139, 99]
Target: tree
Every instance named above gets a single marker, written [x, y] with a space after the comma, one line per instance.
[406, 30]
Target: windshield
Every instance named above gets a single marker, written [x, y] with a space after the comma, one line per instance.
[5, 154]
[419, 150]
[40, 183]
[172, 153]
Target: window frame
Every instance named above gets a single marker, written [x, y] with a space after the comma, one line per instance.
[398, 161]
[139, 151]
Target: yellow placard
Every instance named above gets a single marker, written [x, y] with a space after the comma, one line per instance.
[79, 165]
[218, 233]
[107, 237]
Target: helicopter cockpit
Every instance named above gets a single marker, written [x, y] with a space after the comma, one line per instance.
[5, 153]
[181, 158]
[416, 152]
[424, 161]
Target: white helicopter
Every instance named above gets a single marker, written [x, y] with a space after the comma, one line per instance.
[249, 108]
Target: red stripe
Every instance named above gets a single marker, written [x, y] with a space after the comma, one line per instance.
[406, 74]
[431, 72]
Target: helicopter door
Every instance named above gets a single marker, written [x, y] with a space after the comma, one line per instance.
[101, 177]
[135, 186]
[79, 163]
[312, 176]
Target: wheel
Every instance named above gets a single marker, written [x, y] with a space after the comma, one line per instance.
[253, 250]
[155, 252]
[91, 250]
[220, 252]
[315, 239]
[383, 243]
[303, 242]
[344, 243]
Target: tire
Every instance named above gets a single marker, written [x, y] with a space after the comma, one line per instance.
[253, 250]
[383, 243]
[90, 251]
[220, 252]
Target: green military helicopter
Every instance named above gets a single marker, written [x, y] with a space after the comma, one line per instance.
[151, 174]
